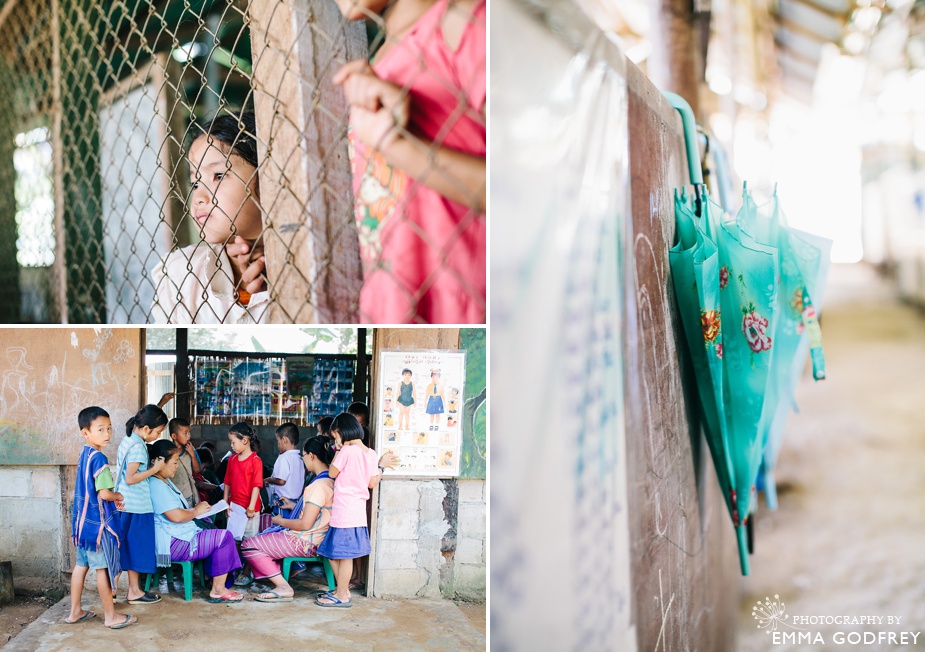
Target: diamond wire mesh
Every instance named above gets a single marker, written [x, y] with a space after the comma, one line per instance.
[155, 220]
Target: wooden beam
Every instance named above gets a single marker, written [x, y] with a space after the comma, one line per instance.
[7, 8]
[311, 243]
[676, 63]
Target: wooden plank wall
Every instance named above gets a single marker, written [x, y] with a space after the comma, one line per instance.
[684, 565]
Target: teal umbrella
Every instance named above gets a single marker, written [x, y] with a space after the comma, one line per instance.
[803, 260]
[727, 286]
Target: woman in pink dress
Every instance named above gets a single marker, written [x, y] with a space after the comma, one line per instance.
[417, 129]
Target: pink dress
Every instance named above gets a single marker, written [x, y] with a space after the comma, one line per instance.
[423, 254]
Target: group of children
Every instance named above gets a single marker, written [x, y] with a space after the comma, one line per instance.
[141, 517]
[418, 144]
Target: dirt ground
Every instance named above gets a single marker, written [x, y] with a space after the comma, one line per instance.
[16, 616]
[174, 624]
[849, 537]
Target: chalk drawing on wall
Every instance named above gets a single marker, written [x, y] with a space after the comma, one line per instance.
[43, 390]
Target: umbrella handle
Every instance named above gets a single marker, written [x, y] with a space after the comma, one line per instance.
[690, 135]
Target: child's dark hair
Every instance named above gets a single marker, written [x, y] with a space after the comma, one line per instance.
[241, 430]
[348, 427]
[322, 447]
[90, 414]
[236, 132]
[163, 448]
[359, 410]
[175, 424]
[208, 444]
[149, 416]
[406, 371]
[289, 431]
[205, 456]
[324, 425]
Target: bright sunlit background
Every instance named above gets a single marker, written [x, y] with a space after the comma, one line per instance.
[825, 98]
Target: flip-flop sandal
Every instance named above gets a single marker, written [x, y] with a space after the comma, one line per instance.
[147, 598]
[87, 616]
[278, 597]
[335, 602]
[228, 597]
[129, 620]
[322, 594]
[244, 581]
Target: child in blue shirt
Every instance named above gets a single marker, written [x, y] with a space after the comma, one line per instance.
[136, 520]
[91, 522]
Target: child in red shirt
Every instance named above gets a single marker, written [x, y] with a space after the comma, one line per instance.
[244, 477]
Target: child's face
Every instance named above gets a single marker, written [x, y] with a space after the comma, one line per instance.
[337, 439]
[99, 433]
[406, 377]
[237, 445]
[283, 444]
[221, 203]
[181, 437]
[150, 434]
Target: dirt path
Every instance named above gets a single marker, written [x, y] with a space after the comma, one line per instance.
[849, 537]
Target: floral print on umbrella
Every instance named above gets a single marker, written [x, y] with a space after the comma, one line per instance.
[709, 322]
[755, 328]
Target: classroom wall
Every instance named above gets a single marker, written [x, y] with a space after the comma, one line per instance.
[46, 377]
[429, 535]
[682, 541]
[33, 523]
[431, 539]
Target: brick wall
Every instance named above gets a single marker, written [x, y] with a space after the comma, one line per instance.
[34, 523]
[430, 539]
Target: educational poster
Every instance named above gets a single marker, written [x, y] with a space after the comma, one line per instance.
[301, 389]
[213, 387]
[252, 388]
[332, 388]
[239, 388]
[421, 400]
[300, 372]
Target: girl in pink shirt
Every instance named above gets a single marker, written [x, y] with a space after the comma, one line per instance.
[355, 471]
[417, 127]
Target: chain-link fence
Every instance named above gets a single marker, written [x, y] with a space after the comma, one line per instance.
[223, 161]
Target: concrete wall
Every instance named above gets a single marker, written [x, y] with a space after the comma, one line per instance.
[431, 539]
[34, 523]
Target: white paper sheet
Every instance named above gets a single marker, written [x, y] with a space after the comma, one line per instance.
[216, 508]
[237, 521]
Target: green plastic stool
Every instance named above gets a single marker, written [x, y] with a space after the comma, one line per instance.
[287, 562]
[187, 567]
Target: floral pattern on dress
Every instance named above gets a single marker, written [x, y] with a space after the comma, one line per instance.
[380, 187]
[723, 277]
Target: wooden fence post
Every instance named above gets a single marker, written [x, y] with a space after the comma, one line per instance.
[312, 248]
